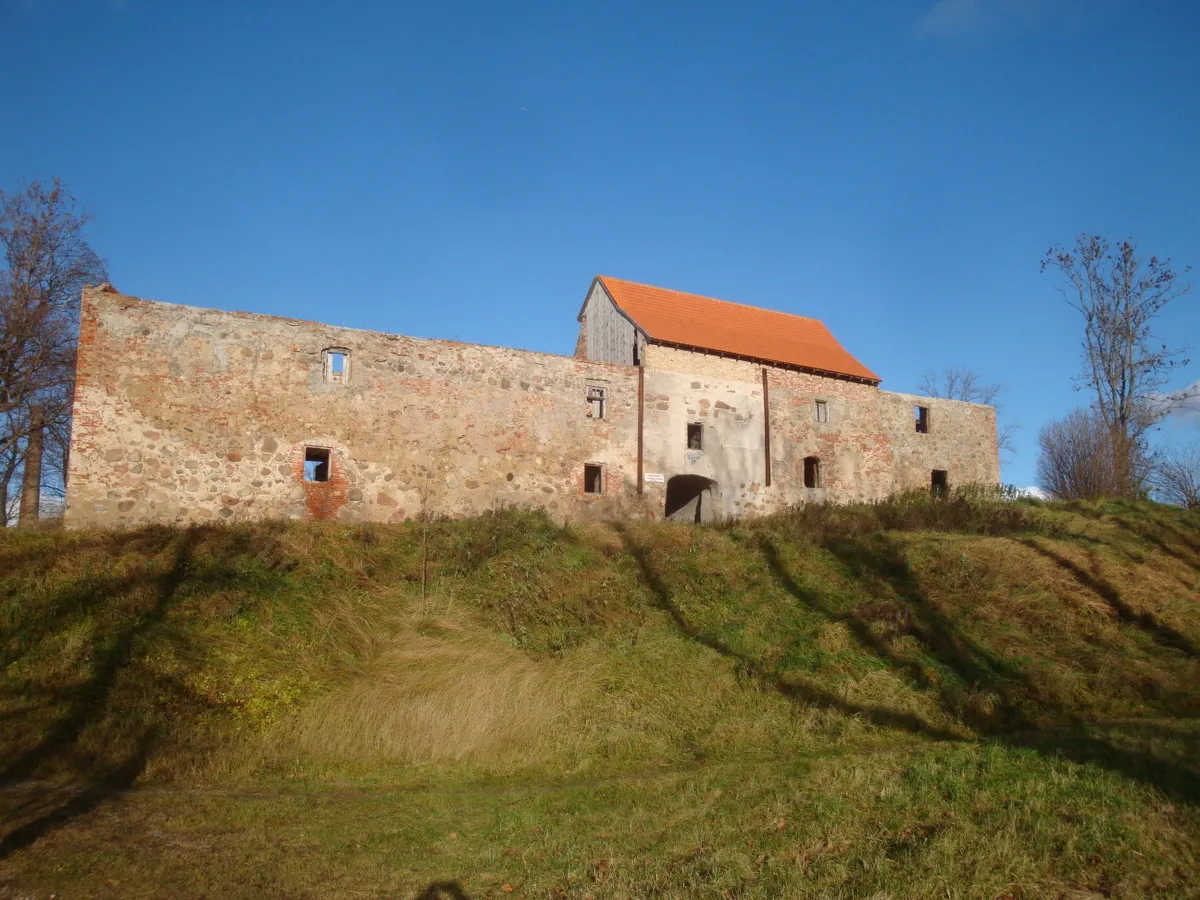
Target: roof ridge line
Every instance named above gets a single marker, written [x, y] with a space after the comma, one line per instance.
[714, 299]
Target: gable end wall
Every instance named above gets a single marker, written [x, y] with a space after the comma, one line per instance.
[608, 335]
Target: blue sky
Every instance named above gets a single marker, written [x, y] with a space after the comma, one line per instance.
[462, 170]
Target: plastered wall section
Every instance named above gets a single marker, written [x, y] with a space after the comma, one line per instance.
[868, 447]
[733, 438]
[184, 414]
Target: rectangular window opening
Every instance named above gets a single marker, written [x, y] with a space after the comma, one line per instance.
[812, 472]
[822, 411]
[593, 478]
[595, 399]
[921, 417]
[939, 482]
[337, 366]
[695, 436]
[316, 464]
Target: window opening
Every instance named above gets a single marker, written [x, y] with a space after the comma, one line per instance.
[637, 357]
[695, 436]
[921, 416]
[822, 411]
[316, 464]
[593, 478]
[337, 365]
[939, 482]
[595, 399]
[812, 472]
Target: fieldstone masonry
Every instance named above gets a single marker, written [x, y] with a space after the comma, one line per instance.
[184, 414]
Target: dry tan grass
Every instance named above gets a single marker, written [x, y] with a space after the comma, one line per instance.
[441, 691]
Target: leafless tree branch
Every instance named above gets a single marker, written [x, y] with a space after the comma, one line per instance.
[968, 385]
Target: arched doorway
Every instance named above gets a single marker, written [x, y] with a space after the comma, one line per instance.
[691, 498]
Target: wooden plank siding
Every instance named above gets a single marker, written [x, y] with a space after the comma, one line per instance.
[610, 336]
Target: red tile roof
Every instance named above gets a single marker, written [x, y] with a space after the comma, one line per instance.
[763, 335]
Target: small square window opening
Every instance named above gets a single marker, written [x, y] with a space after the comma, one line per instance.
[316, 464]
[695, 436]
[595, 399]
[822, 411]
[593, 478]
[337, 365]
[921, 418]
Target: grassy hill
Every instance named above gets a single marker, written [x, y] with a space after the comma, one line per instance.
[969, 698]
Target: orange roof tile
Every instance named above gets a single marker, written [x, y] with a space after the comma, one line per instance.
[765, 335]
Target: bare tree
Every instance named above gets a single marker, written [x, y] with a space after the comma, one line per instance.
[1176, 477]
[46, 263]
[1119, 294]
[960, 384]
[1076, 459]
[968, 385]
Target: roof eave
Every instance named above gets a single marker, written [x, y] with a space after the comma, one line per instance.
[825, 373]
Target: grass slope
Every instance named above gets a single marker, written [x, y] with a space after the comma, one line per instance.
[968, 698]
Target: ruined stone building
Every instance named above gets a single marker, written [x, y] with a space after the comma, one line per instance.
[673, 405]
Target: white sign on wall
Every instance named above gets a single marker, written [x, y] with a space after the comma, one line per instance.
[654, 477]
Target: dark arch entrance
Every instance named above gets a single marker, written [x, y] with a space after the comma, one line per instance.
[691, 498]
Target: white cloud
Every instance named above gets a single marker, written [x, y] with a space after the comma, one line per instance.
[1185, 404]
[1033, 492]
[1182, 405]
[35, 6]
[949, 19]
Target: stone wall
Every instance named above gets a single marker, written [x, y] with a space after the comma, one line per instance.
[868, 446]
[186, 414]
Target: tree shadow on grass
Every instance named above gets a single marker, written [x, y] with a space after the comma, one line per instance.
[860, 627]
[1127, 749]
[793, 690]
[878, 560]
[37, 554]
[443, 890]
[47, 811]
[1155, 529]
[92, 704]
[1013, 722]
[1163, 634]
[78, 597]
[90, 698]
[1190, 556]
